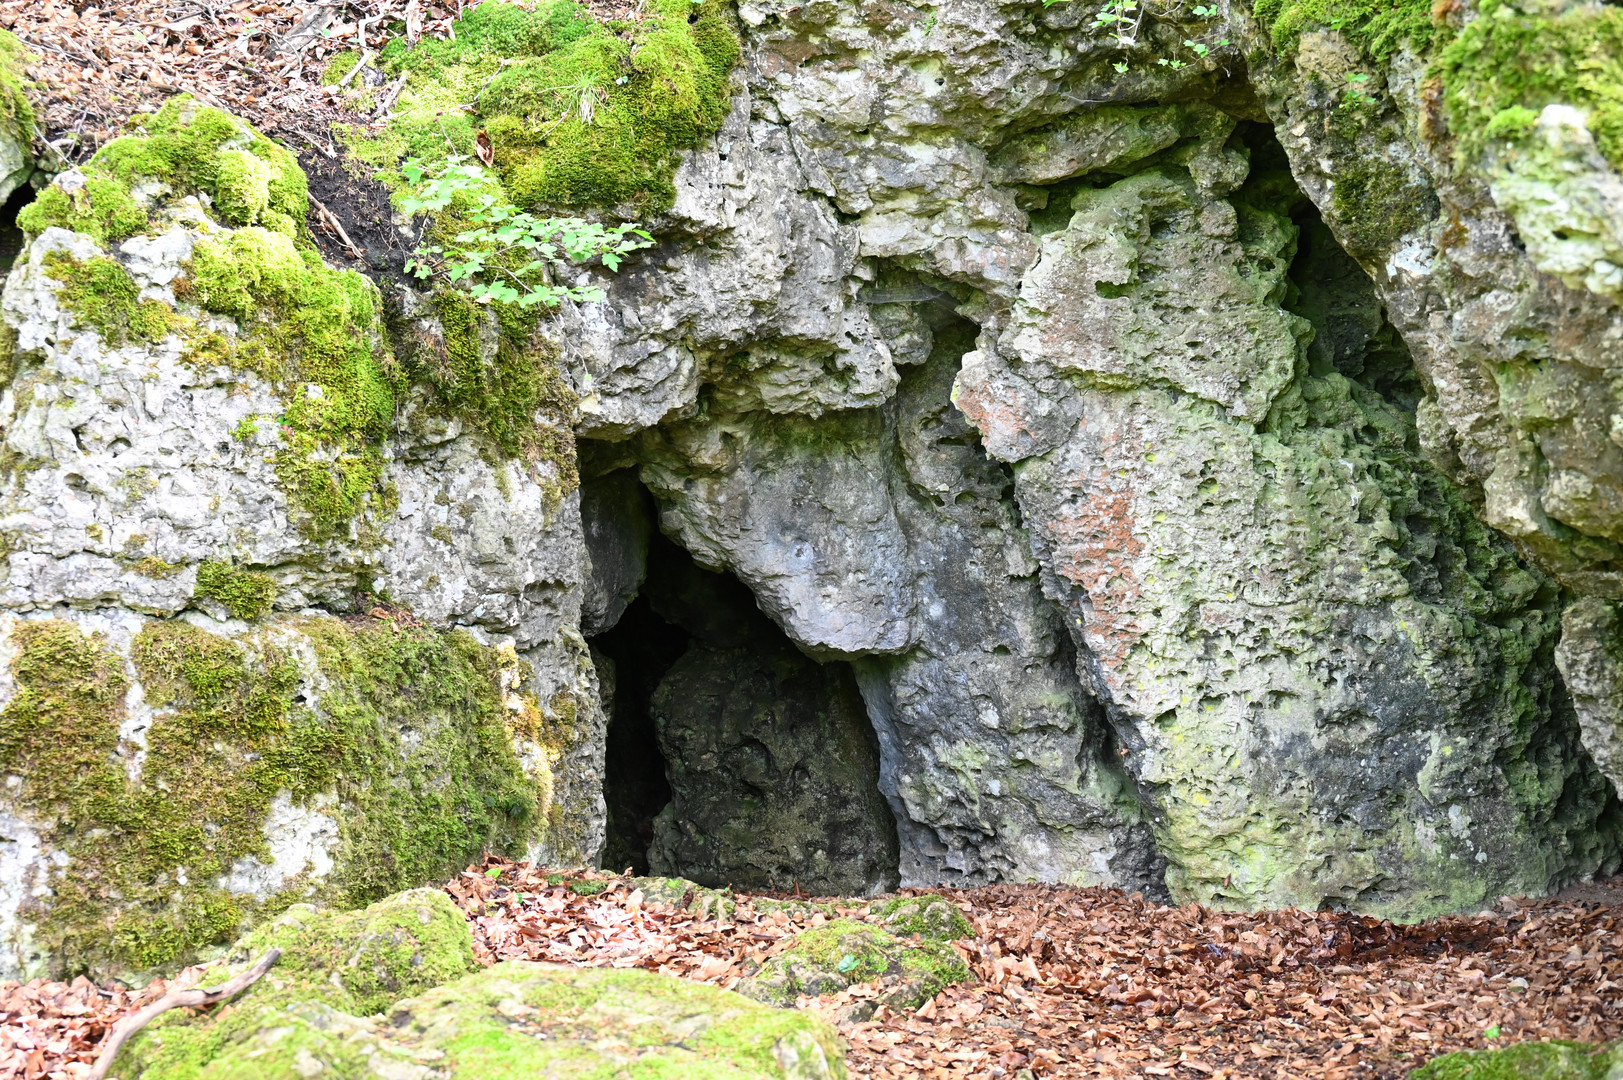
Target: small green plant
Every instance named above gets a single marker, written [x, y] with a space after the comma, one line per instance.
[1118, 16]
[511, 256]
[1352, 95]
[1124, 18]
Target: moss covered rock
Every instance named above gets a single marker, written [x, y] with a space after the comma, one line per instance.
[928, 916]
[837, 955]
[514, 1021]
[175, 779]
[16, 116]
[333, 963]
[1529, 1061]
[580, 112]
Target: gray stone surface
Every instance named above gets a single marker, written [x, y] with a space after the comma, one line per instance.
[1335, 686]
[1591, 659]
[889, 535]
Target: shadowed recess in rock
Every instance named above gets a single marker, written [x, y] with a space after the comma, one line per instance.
[733, 758]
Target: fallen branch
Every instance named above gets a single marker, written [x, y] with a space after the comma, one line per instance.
[366, 58]
[390, 95]
[329, 219]
[193, 996]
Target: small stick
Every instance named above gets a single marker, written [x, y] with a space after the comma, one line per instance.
[390, 96]
[174, 999]
[366, 58]
[331, 221]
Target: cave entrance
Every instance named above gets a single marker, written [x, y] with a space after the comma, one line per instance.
[11, 237]
[732, 758]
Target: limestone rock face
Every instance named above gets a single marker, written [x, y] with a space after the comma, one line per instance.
[173, 776]
[1591, 659]
[874, 534]
[1251, 558]
[1490, 229]
[210, 451]
[1212, 442]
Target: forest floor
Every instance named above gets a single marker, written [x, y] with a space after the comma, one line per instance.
[1068, 982]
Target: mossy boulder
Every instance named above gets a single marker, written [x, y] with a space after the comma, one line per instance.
[333, 963]
[514, 1021]
[312, 758]
[400, 945]
[1528, 1061]
[929, 916]
[688, 895]
[838, 955]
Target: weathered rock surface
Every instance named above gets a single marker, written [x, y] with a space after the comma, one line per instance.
[1591, 660]
[875, 533]
[1252, 558]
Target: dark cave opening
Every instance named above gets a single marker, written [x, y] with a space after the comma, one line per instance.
[641, 647]
[11, 237]
[732, 758]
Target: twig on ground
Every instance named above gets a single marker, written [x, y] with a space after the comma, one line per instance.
[329, 219]
[366, 58]
[390, 95]
[176, 999]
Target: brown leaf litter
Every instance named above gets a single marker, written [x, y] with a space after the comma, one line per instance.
[1070, 982]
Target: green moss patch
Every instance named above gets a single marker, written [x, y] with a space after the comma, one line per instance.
[190, 150]
[314, 333]
[1379, 27]
[16, 113]
[1516, 58]
[580, 113]
[521, 1019]
[929, 916]
[514, 1021]
[245, 594]
[232, 731]
[101, 295]
[140, 892]
[827, 959]
[515, 397]
[1529, 1061]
